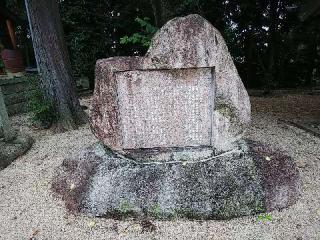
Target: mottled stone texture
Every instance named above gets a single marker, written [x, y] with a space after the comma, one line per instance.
[170, 124]
[187, 81]
[100, 182]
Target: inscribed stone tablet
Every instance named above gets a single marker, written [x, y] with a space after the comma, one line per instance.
[165, 108]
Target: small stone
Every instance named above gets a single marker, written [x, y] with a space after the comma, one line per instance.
[92, 224]
[268, 158]
[34, 233]
[301, 164]
[72, 186]
[137, 227]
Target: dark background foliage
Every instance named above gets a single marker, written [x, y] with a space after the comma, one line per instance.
[271, 46]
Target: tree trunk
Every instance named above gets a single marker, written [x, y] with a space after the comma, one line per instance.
[156, 12]
[269, 69]
[162, 11]
[312, 55]
[53, 62]
[250, 71]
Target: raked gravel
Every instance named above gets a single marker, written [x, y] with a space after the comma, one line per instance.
[28, 209]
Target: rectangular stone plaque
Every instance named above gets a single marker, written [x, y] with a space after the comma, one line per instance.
[165, 108]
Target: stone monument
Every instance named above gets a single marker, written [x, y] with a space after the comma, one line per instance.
[171, 126]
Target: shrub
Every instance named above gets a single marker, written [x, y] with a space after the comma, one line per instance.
[142, 38]
[42, 110]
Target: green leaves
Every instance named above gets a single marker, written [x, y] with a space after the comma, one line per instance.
[144, 23]
[264, 217]
[42, 110]
[142, 38]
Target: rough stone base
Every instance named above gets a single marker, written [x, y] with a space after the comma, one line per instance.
[101, 183]
[9, 151]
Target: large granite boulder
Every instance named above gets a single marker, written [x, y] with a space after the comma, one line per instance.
[186, 84]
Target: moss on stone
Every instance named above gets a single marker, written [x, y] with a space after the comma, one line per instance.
[125, 207]
[227, 110]
[188, 213]
[155, 211]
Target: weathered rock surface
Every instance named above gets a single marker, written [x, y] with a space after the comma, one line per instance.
[185, 92]
[102, 183]
[171, 124]
[10, 150]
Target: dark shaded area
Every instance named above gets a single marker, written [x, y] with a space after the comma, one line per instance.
[270, 45]
[290, 107]
[14, 11]
[310, 9]
[274, 43]
[279, 175]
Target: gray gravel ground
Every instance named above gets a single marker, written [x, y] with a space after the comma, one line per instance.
[28, 210]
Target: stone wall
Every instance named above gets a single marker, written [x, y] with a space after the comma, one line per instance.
[15, 93]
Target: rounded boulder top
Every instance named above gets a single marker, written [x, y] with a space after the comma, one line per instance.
[185, 92]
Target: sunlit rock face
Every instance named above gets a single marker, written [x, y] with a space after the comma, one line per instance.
[185, 92]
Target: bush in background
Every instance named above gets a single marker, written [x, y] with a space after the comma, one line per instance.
[42, 111]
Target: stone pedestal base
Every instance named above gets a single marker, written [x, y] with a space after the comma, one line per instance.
[9, 151]
[237, 183]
